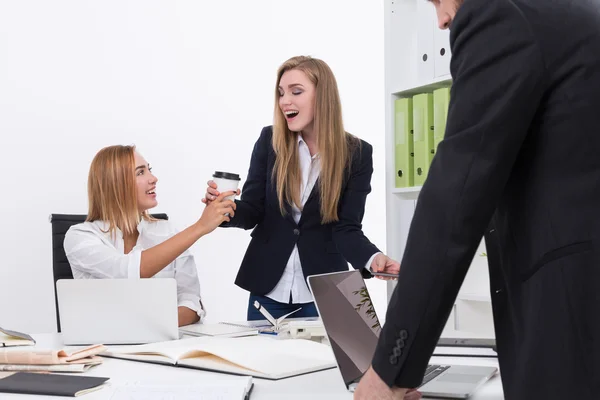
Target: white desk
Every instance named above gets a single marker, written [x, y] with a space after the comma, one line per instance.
[324, 385]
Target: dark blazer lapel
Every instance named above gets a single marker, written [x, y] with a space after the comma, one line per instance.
[272, 192]
[311, 207]
[289, 213]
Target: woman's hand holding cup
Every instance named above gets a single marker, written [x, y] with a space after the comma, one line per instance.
[217, 211]
[211, 192]
[226, 181]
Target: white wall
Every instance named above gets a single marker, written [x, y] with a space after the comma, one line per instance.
[191, 84]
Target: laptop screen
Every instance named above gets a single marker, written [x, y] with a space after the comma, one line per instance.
[349, 319]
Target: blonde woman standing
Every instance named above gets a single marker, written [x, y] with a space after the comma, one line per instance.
[120, 240]
[304, 195]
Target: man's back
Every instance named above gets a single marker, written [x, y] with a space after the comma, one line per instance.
[546, 222]
[519, 162]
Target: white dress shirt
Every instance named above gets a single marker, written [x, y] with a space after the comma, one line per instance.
[292, 282]
[95, 254]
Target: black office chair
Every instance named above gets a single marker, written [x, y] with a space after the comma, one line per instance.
[61, 269]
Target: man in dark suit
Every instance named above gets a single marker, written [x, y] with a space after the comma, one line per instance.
[519, 163]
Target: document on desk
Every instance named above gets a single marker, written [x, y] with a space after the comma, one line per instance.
[221, 330]
[236, 389]
[258, 356]
[65, 360]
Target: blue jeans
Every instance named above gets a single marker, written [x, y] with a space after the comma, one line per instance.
[277, 309]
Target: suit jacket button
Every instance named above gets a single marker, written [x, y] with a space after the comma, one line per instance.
[393, 360]
[397, 351]
[403, 334]
[297, 232]
[400, 343]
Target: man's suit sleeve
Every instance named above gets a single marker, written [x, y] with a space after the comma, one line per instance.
[347, 232]
[498, 84]
[250, 208]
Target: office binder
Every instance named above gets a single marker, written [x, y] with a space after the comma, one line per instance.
[425, 30]
[441, 51]
[403, 131]
[441, 100]
[423, 135]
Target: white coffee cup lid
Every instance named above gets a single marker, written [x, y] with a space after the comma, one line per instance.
[226, 175]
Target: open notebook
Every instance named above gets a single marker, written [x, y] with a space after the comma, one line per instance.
[258, 356]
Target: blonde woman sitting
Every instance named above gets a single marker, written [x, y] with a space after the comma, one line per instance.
[120, 239]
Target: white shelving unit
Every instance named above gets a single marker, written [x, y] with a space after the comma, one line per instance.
[417, 59]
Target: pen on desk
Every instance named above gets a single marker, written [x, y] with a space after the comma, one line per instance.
[264, 312]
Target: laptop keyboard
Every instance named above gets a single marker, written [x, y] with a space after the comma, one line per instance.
[433, 371]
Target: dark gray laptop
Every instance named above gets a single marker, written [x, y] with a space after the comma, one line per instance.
[352, 328]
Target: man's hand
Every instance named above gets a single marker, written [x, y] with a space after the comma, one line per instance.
[371, 387]
[382, 263]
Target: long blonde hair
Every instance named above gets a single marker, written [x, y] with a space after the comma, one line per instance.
[334, 143]
[112, 195]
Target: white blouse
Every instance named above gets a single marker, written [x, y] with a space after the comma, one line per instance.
[96, 254]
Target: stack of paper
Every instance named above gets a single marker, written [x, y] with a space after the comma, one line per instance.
[50, 360]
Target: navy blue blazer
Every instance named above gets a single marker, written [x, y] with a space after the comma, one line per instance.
[322, 248]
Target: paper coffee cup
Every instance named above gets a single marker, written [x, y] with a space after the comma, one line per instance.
[226, 182]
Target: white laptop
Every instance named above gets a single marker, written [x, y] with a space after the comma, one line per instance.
[117, 311]
[352, 327]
